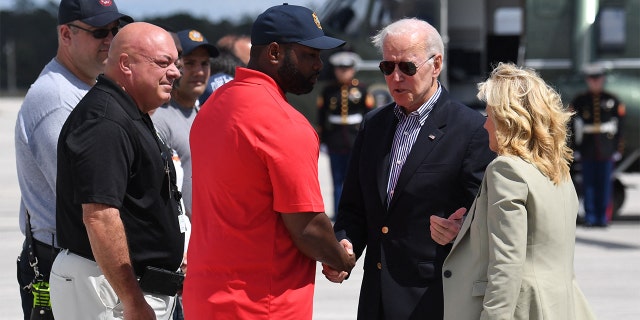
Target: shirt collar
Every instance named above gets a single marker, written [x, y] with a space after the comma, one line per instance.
[423, 111]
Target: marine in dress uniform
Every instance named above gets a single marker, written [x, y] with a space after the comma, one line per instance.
[341, 106]
[597, 142]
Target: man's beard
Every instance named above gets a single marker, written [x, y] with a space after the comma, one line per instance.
[291, 80]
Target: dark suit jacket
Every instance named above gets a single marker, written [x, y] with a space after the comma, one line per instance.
[441, 174]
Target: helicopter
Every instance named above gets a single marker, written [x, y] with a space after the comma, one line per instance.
[557, 38]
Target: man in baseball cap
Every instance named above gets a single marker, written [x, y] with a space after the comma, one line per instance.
[173, 120]
[85, 30]
[255, 182]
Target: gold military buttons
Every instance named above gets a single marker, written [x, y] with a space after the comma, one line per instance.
[385, 230]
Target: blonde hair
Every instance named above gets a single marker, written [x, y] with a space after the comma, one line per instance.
[530, 119]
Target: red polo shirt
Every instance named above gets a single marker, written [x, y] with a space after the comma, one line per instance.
[254, 156]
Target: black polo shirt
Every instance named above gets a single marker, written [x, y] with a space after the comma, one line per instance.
[108, 153]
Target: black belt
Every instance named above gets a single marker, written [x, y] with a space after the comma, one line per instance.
[161, 281]
[45, 247]
[82, 255]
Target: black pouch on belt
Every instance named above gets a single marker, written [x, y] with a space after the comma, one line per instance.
[161, 281]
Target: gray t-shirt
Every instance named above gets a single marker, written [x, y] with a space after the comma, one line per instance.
[44, 110]
[173, 123]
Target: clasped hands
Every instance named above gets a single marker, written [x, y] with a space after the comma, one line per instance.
[339, 276]
[443, 231]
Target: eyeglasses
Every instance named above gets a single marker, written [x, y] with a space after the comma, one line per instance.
[407, 67]
[97, 33]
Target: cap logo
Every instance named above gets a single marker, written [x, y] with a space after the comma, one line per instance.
[316, 20]
[195, 36]
[106, 3]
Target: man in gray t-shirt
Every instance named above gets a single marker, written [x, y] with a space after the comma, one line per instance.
[85, 30]
[173, 120]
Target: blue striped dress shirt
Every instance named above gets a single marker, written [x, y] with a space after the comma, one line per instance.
[405, 136]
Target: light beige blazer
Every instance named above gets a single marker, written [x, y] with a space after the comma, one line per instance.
[513, 257]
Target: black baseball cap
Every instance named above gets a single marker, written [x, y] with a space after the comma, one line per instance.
[190, 39]
[95, 13]
[291, 24]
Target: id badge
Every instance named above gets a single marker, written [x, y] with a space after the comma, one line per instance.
[182, 220]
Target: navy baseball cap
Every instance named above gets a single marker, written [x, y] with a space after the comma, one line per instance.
[291, 24]
[95, 13]
[190, 39]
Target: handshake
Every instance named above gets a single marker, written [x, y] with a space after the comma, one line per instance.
[338, 274]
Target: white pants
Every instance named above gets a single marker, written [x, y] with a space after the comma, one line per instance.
[79, 290]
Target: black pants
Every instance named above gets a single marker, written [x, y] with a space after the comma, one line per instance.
[177, 311]
[45, 254]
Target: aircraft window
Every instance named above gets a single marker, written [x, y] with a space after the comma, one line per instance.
[612, 33]
[507, 21]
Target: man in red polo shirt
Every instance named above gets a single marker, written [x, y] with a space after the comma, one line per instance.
[258, 217]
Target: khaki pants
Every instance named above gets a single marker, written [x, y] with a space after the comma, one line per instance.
[79, 290]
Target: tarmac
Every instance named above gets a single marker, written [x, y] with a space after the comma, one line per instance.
[607, 260]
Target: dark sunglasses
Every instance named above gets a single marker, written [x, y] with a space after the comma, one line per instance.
[407, 67]
[97, 33]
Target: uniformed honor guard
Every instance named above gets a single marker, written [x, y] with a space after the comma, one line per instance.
[342, 105]
[597, 142]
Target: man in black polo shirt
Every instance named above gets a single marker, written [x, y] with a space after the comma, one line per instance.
[117, 202]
